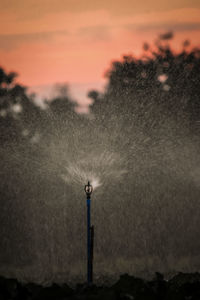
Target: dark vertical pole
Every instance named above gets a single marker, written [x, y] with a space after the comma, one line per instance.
[88, 242]
[91, 251]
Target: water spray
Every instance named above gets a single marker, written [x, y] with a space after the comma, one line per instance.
[90, 235]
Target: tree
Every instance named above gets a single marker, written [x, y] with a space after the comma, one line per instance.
[162, 86]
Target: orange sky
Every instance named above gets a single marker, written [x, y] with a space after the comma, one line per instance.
[74, 41]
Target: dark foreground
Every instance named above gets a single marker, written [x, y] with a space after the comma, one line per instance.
[182, 286]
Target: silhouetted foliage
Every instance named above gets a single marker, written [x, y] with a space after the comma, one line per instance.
[126, 288]
[141, 141]
[147, 92]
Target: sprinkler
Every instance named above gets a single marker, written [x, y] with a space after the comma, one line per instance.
[90, 235]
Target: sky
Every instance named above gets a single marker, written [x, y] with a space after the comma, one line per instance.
[74, 41]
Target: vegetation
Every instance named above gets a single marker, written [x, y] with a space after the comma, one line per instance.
[141, 136]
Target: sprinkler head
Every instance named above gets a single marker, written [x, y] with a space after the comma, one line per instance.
[88, 190]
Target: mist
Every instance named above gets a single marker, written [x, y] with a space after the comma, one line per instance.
[139, 147]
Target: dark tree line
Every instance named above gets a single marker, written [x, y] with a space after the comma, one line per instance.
[160, 86]
[147, 116]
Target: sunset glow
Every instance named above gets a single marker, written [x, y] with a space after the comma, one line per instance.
[48, 42]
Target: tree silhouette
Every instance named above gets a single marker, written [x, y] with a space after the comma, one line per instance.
[19, 115]
[148, 92]
[144, 126]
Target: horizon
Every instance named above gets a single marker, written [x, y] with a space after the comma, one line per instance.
[75, 44]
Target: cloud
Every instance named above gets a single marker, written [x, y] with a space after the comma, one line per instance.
[93, 33]
[38, 8]
[11, 41]
[101, 32]
[168, 26]
[166, 36]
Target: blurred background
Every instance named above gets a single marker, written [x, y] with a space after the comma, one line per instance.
[107, 92]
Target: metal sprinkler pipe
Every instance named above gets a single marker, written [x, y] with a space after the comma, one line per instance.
[90, 235]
